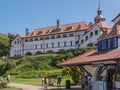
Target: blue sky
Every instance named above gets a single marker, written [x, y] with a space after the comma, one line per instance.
[16, 15]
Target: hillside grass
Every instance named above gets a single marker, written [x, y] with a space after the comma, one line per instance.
[30, 69]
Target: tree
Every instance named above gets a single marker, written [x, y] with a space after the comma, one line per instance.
[74, 72]
[4, 45]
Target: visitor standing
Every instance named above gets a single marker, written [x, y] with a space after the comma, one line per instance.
[85, 82]
[59, 78]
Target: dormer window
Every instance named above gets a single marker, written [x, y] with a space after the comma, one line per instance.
[48, 31]
[69, 28]
[79, 27]
[40, 32]
[57, 29]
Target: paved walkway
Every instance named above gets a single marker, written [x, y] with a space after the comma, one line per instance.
[26, 87]
[32, 87]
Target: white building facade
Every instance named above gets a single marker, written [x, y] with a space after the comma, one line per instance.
[58, 38]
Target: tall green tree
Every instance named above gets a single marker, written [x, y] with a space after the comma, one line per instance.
[4, 45]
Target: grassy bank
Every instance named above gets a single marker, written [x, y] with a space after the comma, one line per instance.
[37, 81]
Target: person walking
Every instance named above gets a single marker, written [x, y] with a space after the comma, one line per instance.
[45, 82]
[8, 78]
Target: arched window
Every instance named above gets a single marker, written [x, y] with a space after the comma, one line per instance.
[96, 32]
[82, 41]
[91, 34]
[28, 53]
[50, 51]
[86, 38]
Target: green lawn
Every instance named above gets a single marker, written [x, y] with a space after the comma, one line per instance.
[36, 81]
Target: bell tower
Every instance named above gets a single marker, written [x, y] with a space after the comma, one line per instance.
[99, 17]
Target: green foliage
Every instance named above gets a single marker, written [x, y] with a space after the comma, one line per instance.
[66, 71]
[90, 44]
[57, 59]
[4, 45]
[6, 65]
[30, 66]
[3, 85]
[74, 72]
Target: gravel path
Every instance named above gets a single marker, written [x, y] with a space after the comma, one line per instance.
[26, 87]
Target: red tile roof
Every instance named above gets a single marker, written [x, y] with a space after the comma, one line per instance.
[80, 26]
[93, 56]
[105, 34]
[50, 30]
[115, 31]
[101, 25]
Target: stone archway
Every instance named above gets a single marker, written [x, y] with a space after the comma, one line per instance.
[28, 53]
[98, 72]
[50, 51]
[38, 52]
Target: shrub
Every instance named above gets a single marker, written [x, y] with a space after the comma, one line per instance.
[3, 85]
[90, 44]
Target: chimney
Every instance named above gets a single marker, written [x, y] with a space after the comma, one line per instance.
[58, 23]
[27, 31]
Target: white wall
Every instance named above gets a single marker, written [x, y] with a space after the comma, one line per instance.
[16, 49]
[92, 39]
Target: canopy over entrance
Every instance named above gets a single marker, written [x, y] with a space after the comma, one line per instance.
[111, 56]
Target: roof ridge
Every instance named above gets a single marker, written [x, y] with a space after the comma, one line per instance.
[61, 25]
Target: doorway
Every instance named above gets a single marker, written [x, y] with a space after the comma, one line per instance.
[110, 79]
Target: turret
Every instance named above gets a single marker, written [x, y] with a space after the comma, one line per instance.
[99, 16]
